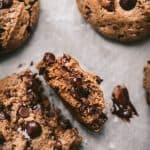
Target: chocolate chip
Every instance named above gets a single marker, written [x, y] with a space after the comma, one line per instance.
[76, 81]
[58, 145]
[65, 124]
[65, 59]
[33, 129]
[42, 70]
[2, 139]
[82, 92]
[31, 63]
[88, 11]
[128, 4]
[6, 3]
[109, 5]
[52, 136]
[1, 29]
[49, 58]
[23, 111]
[83, 110]
[2, 106]
[98, 80]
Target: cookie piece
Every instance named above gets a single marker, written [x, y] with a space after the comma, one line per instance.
[122, 106]
[28, 120]
[146, 81]
[17, 21]
[78, 89]
[123, 20]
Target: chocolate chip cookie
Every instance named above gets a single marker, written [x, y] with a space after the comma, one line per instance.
[147, 81]
[28, 120]
[78, 89]
[123, 20]
[17, 21]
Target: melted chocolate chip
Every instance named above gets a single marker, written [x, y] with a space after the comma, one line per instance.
[2, 139]
[88, 11]
[82, 92]
[58, 145]
[109, 5]
[42, 70]
[53, 136]
[128, 4]
[1, 29]
[49, 58]
[99, 80]
[122, 106]
[65, 59]
[6, 4]
[65, 124]
[33, 129]
[76, 81]
[23, 111]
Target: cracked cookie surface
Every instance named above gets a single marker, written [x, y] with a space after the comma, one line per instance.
[17, 21]
[123, 20]
[28, 121]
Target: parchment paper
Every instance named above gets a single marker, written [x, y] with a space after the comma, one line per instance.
[61, 29]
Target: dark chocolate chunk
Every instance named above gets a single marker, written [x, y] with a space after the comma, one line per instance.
[2, 139]
[122, 106]
[23, 111]
[41, 70]
[88, 11]
[1, 29]
[49, 58]
[76, 81]
[109, 5]
[33, 129]
[65, 124]
[31, 63]
[58, 145]
[128, 4]
[82, 92]
[65, 59]
[99, 80]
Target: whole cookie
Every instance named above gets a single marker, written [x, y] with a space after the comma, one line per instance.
[123, 20]
[17, 21]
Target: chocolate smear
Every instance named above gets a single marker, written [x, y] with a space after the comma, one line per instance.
[122, 106]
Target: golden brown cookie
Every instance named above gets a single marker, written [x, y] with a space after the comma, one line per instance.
[17, 21]
[123, 20]
[78, 89]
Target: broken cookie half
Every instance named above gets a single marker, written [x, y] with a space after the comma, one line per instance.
[78, 89]
[28, 120]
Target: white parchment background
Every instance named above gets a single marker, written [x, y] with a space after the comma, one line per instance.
[61, 29]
